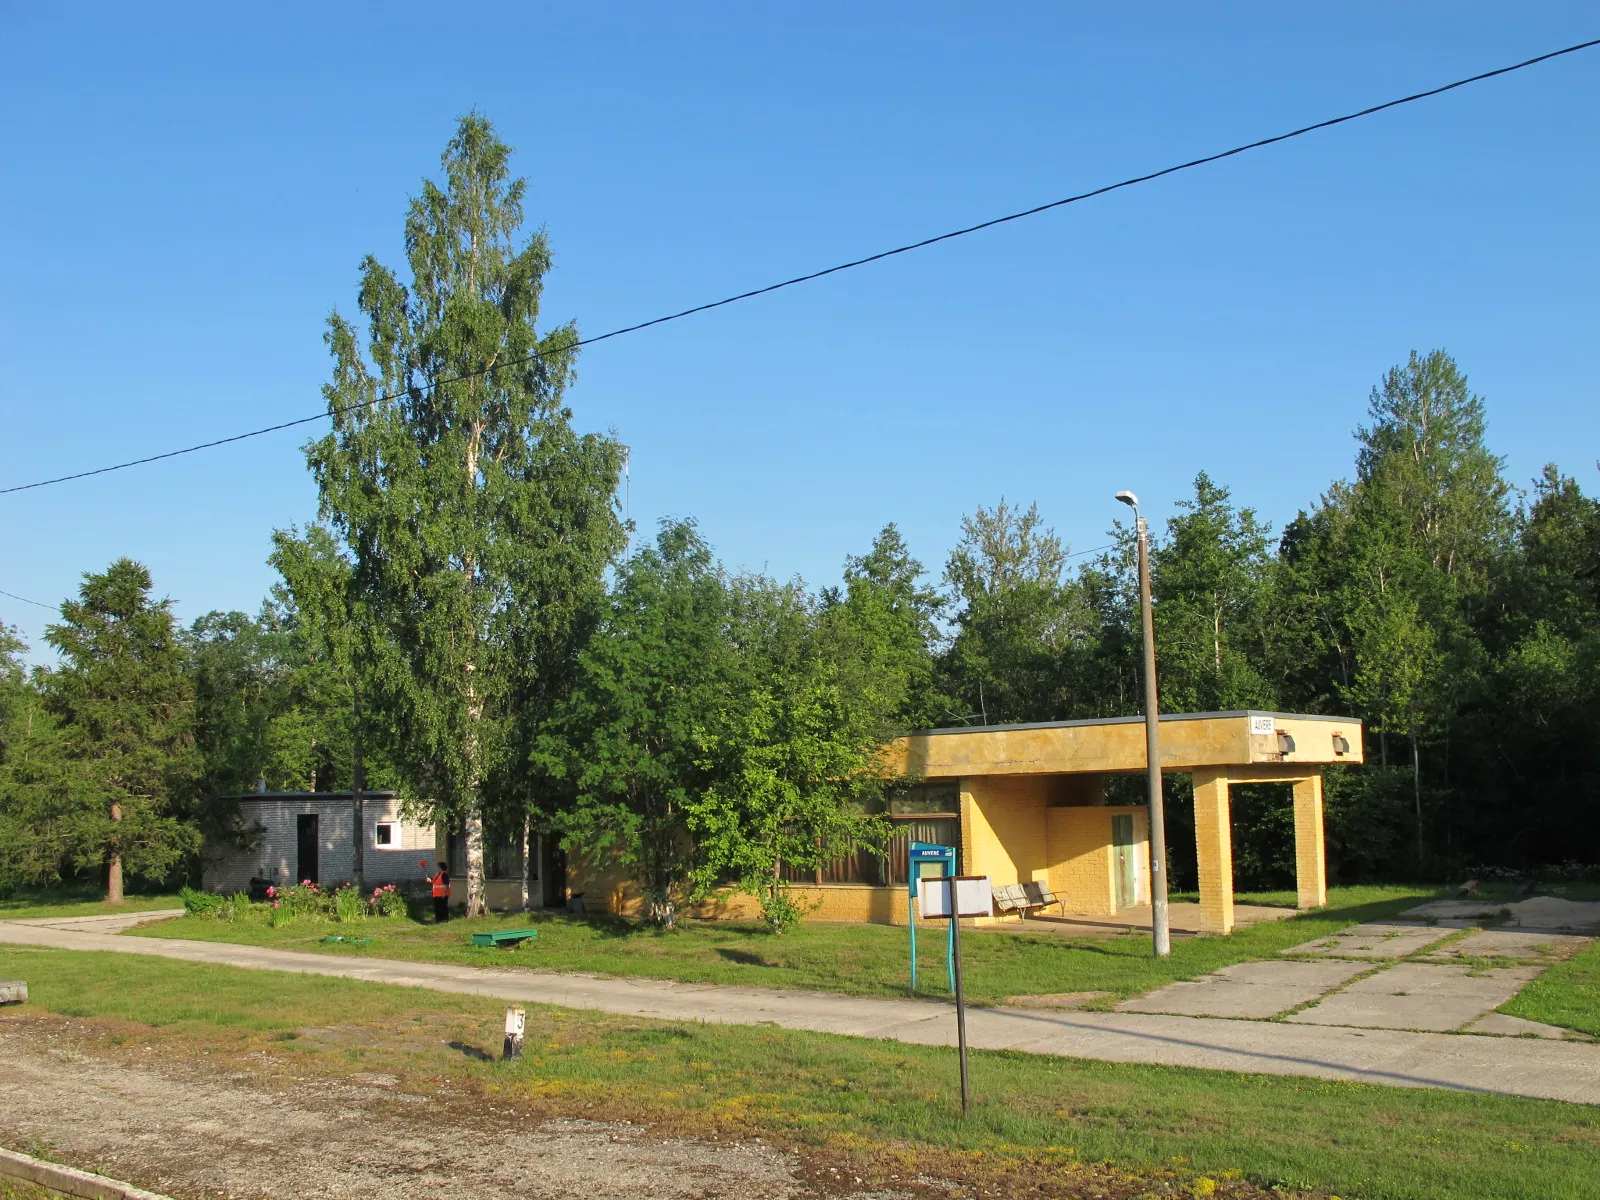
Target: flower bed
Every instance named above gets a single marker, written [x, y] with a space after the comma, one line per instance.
[341, 902]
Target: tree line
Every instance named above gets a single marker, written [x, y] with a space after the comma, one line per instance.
[471, 622]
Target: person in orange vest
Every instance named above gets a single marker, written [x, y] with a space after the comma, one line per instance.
[441, 894]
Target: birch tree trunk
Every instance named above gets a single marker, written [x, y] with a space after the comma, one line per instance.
[526, 899]
[358, 784]
[476, 903]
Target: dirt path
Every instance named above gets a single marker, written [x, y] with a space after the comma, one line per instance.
[191, 1131]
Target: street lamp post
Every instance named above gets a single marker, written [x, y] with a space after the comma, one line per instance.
[1161, 931]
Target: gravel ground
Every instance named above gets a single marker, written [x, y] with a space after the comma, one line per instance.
[190, 1130]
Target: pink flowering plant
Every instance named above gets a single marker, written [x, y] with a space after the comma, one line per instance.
[387, 902]
[286, 903]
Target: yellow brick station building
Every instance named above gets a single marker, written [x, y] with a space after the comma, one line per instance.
[1027, 803]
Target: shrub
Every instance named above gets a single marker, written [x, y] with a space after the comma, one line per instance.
[201, 904]
[778, 909]
[304, 899]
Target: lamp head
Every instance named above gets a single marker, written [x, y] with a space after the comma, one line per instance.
[1129, 499]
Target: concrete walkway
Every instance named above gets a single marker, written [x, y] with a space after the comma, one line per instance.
[1512, 1066]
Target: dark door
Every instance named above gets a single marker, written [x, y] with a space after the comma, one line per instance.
[553, 870]
[306, 831]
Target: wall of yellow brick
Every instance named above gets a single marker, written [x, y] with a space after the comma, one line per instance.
[1310, 856]
[1082, 869]
[1003, 828]
[610, 890]
[1213, 844]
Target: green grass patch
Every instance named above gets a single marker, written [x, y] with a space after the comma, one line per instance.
[854, 1095]
[76, 901]
[1567, 994]
[863, 960]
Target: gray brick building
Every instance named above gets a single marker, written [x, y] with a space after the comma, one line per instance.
[308, 835]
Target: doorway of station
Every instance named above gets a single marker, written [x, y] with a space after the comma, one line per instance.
[1124, 861]
[307, 842]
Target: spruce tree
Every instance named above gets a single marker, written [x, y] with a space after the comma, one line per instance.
[124, 701]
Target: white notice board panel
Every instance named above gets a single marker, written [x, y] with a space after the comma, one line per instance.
[974, 897]
[1263, 726]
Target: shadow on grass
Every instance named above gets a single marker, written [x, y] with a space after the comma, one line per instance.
[743, 957]
[17, 899]
[472, 1052]
[1357, 913]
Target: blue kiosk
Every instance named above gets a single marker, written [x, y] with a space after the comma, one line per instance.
[927, 853]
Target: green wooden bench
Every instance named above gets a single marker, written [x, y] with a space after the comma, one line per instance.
[505, 937]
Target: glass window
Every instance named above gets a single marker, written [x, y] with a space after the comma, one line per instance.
[865, 866]
[386, 835]
[941, 798]
[502, 855]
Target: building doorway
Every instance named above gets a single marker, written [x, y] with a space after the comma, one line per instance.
[553, 872]
[307, 839]
[1124, 861]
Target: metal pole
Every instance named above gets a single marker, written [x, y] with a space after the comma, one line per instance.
[1160, 929]
[913, 873]
[961, 1002]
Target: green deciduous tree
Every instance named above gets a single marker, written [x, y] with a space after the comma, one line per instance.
[124, 701]
[33, 848]
[793, 751]
[478, 523]
[885, 621]
[1016, 618]
[630, 743]
[1212, 585]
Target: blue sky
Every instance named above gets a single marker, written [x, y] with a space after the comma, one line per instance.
[189, 191]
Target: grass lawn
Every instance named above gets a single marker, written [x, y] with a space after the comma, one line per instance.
[866, 960]
[1567, 994]
[872, 1103]
[75, 901]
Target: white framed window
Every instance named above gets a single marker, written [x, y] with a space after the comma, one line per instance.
[386, 835]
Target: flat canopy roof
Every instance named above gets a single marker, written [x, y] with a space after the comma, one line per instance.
[1116, 744]
[372, 794]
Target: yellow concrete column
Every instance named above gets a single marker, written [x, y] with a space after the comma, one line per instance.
[1213, 843]
[1310, 856]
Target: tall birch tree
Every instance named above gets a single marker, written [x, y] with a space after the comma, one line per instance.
[478, 522]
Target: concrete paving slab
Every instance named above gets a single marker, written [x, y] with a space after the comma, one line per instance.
[1554, 913]
[1378, 940]
[1401, 1058]
[1533, 944]
[1419, 996]
[101, 922]
[1505, 1025]
[1249, 990]
[1536, 912]
[1461, 910]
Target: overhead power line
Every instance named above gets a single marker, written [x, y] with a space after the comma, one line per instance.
[25, 600]
[834, 270]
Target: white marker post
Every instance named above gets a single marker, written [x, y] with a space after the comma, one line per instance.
[516, 1025]
[957, 896]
